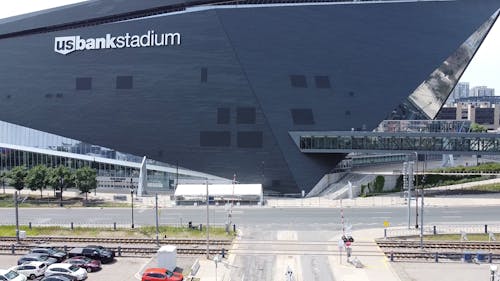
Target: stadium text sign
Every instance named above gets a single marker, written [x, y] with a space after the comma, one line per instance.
[68, 44]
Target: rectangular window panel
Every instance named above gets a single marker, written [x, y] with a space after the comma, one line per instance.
[215, 138]
[245, 115]
[322, 82]
[298, 81]
[83, 83]
[124, 82]
[250, 139]
[223, 115]
[204, 75]
[275, 183]
[302, 116]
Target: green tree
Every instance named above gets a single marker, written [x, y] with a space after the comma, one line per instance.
[379, 184]
[86, 180]
[476, 128]
[17, 177]
[62, 178]
[37, 178]
[3, 177]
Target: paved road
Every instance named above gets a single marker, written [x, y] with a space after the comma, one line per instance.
[255, 260]
[266, 219]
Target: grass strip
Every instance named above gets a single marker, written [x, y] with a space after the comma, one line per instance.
[106, 232]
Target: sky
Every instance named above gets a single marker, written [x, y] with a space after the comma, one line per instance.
[484, 69]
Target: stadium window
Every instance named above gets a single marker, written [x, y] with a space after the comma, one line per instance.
[322, 82]
[302, 116]
[215, 138]
[204, 75]
[249, 139]
[83, 83]
[124, 82]
[223, 115]
[245, 115]
[298, 81]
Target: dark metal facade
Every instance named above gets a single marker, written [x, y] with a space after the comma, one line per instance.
[224, 100]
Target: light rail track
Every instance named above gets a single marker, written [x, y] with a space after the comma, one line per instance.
[436, 250]
[440, 245]
[99, 240]
[124, 251]
[436, 256]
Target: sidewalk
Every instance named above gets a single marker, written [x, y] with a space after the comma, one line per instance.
[390, 200]
[208, 272]
[375, 264]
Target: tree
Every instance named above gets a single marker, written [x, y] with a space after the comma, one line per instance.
[62, 178]
[37, 178]
[3, 176]
[86, 180]
[476, 128]
[17, 177]
[379, 184]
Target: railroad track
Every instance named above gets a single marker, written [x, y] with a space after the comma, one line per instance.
[125, 251]
[436, 256]
[436, 250]
[59, 239]
[440, 245]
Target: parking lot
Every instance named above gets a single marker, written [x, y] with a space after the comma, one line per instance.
[122, 268]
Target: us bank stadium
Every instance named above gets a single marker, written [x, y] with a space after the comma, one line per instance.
[223, 88]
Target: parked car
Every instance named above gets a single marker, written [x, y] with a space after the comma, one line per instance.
[67, 268]
[93, 253]
[36, 257]
[86, 263]
[51, 252]
[59, 277]
[10, 275]
[161, 274]
[32, 269]
[101, 248]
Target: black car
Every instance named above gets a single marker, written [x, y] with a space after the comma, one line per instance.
[59, 277]
[36, 257]
[102, 249]
[94, 253]
[51, 252]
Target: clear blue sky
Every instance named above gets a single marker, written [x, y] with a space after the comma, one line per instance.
[484, 70]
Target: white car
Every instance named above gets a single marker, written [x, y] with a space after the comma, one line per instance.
[67, 268]
[9, 275]
[31, 269]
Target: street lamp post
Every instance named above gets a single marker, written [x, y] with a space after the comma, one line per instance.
[132, 200]
[416, 189]
[61, 192]
[422, 204]
[208, 221]
[16, 204]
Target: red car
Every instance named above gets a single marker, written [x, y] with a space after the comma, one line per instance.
[85, 263]
[161, 274]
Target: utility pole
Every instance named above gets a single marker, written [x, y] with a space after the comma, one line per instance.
[408, 183]
[16, 204]
[416, 190]
[132, 201]
[422, 205]
[156, 213]
[208, 235]
[176, 175]
[60, 195]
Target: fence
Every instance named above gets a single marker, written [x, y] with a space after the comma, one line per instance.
[443, 229]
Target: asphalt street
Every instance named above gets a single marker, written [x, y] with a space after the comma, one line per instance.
[272, 219]
[271, 239]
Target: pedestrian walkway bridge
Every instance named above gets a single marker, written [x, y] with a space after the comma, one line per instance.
[390, 142]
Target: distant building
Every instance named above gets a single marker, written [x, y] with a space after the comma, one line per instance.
[483, 113]
[482, 91]
[461, 90]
